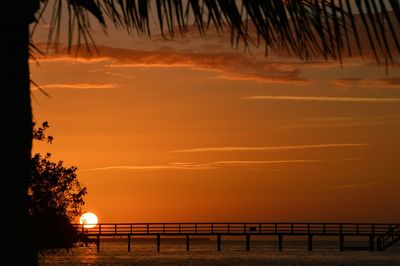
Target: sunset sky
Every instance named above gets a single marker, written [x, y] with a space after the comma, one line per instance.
[193, 129]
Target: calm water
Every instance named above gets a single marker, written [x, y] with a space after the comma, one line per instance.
[203, 252]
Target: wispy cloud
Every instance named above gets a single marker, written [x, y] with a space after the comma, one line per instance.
[367, 83]
[232, 65]
[170, 166]
[337, 125]
[324, 99]
[265, 162]
[350, 118]
[351, 186]
[80, 86]
[337, 122]
[65, 58]
[390, 82]
[346, 81]
[232, 76]
[214, 165]
[299, 161]
[270, 148]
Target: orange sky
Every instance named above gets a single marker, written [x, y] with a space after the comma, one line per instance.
[194, 130]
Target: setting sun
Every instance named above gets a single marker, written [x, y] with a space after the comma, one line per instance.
[89, 220]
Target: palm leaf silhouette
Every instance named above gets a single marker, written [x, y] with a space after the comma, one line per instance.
[307, 28]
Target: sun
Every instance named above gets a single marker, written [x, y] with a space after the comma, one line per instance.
[89, 220]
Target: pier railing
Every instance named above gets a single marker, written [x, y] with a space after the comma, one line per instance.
[376, 233]
[389, 238]
[327, 229]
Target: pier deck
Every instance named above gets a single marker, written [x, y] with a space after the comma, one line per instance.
[375, 232]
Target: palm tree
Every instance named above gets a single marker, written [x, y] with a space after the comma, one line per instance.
[308, 29]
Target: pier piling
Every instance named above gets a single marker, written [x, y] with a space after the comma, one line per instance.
[310, 242]
[158, 242]
[341, 242]
[371, 242]
[98, 243]
[219, 242]
[280, 242]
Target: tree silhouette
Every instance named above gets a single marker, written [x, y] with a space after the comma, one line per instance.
[306, 28]
[54, 188]
[56, 198]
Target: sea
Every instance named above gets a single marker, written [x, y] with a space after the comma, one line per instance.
[203, 251]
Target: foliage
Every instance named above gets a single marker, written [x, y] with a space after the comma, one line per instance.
[53, 231]
[305, 28]
[55, 188]
[40, 134]
[56, 197]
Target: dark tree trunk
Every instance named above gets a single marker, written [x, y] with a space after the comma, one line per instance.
[16, 230]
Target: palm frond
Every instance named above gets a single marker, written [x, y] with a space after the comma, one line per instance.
[306, 28]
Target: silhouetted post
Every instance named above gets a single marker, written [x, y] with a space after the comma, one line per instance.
[248, 242]
[341, 241]
[219, 242]
[310, 243]
[98, 243]
[379, 243]
[158, 242]
[187, 242]
[86, 238]
[372, 238]
[280, 240]
[372, 242]
[129, 243]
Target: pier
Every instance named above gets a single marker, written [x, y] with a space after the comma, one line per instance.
[379, 236]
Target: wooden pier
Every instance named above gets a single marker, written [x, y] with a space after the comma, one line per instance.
[379, 235]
